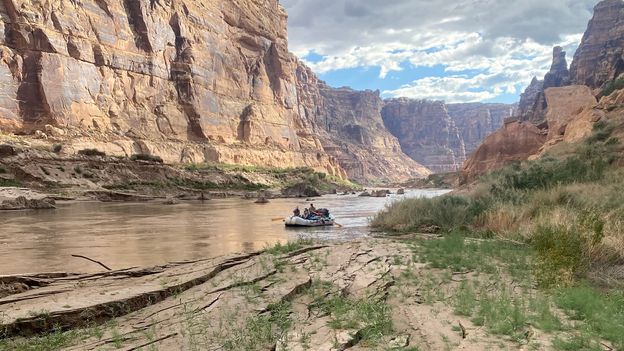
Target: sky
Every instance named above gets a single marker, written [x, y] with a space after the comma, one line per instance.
[456, 51]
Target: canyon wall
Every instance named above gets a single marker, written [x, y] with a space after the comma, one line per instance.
[353, 131]
[600, 56]
[441, 136]
[191, 81]
[426, 132]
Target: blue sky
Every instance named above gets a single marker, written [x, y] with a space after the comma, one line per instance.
[457, 51]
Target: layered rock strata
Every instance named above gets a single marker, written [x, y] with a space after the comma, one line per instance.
[515, 141]
[351, 127]
[426, 132]
[191, 81]
[600, 56]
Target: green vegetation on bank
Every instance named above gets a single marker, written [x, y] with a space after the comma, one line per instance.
[565, 210]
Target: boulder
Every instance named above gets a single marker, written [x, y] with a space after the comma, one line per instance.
[301, 190]
[516, 141]
[23, 203]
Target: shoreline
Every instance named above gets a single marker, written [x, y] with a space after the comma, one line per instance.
[364, 294]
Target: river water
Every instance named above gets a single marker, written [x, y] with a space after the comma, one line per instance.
[123, 235]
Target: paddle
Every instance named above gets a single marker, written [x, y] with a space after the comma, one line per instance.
[338, 225]
[277, 219]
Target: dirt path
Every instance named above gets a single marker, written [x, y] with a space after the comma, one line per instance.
[367, 295]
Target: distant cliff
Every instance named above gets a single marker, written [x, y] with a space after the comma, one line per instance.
[191, 81]
[441, 136]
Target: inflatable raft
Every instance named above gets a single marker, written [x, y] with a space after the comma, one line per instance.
[295, 221]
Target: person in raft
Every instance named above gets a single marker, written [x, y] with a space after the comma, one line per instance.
[312, 209]
[296, 212]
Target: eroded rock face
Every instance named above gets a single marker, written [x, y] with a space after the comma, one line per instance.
[515, 141]
[600, 56]
[191, 81]
[426, 132]
[533, 104]
[352, 130]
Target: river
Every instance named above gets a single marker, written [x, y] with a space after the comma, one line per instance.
[123, 235]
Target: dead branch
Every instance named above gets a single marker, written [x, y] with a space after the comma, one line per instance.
[92, 260]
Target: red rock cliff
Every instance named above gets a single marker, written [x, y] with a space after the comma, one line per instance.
[192, 81]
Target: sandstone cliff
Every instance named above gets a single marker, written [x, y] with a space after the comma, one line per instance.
[440, 136]
[476, 121]
[353, 131]
[426, 132]
[515, 141]
[191, 81]
[600, 56]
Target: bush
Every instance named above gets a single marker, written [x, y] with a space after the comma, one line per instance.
[147, 157]
[612, 86]
[56, 148]
[445, 212]
[91, 152]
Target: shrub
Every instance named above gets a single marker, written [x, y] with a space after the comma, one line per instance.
[560, 253]
[77, 169]
[146, 157]
[445, 212]
[2, 170]
[91, 152]
[56, 148]
[612, 86]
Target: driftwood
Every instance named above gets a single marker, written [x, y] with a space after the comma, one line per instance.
[92, 260]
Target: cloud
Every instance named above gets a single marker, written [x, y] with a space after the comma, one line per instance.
[503, 43]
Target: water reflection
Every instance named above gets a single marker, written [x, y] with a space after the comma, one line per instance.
[123, 235]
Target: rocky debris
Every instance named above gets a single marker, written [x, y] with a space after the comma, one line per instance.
[171, 201]
[401, 192]
[600, 56]
[533, 103]
[426, 132]
[516, 141]
[301, 190]
[262, 200]
[24, 199]
[116, 196]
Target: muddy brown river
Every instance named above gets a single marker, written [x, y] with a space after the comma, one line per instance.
[123, 235]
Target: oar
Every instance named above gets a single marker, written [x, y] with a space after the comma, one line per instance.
[338, 224]
[277, 219]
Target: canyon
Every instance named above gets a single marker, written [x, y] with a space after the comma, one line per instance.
[441, 136]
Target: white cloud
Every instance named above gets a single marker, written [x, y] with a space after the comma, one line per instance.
[507, 42]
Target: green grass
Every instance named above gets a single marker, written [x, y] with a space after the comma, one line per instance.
[187, 183]
[371, 317]
[291, 246]
[601, 313]
[612, 86]
[5, 183]
[55, 340]
[261, 331]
